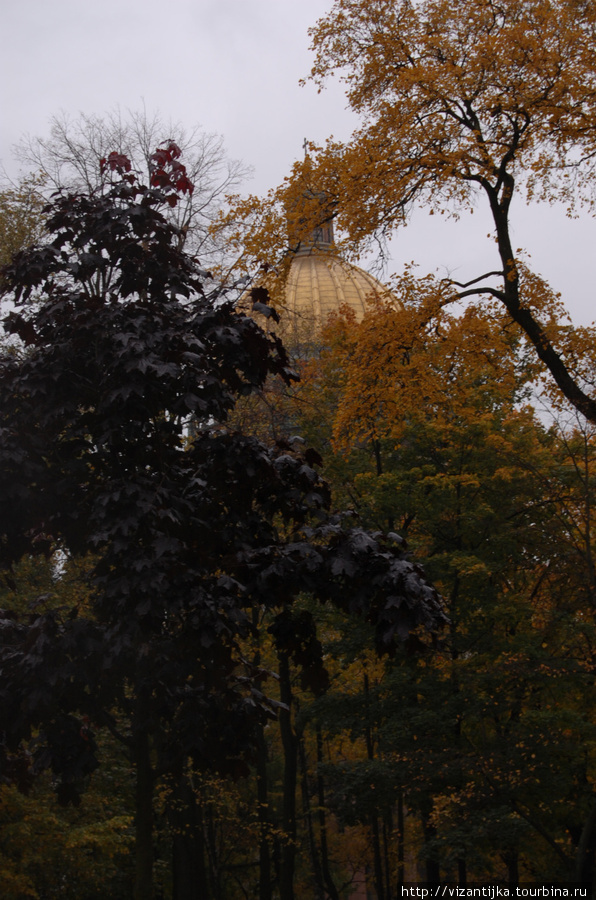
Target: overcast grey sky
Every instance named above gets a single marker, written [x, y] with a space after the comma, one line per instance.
[233, 67]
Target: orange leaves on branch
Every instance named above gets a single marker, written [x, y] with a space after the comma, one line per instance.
[460, 101]
[457, 102]
[412, 359]
[452, 94]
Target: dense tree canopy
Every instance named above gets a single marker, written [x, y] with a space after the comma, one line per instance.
[487, 740]
[460, 104]
[113, 447]
[197, 645]
[21, 220]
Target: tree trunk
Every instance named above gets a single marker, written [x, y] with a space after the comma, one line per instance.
[378, 861]
[523, 315]
[433, 870]
[210, 832]
[143, 889]
[290, 748]
[263, 814]
[265, 881]
[512, 869]
[322, 816]
[401, 875]
[374, 821]
[584, 857]
[189, 876]
[387, 829]
[317, 872]
[462, 873]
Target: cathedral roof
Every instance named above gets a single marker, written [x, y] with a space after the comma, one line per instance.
[319, 284]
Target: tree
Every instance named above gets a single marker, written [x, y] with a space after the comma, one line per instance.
[81, 851]
[70, 159]
[20, 218]
[114, 447]
[488, 736]
[460, 103]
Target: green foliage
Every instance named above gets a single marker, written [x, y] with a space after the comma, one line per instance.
[488, 735]
[21, 218]
[49, 851]
[114, 450]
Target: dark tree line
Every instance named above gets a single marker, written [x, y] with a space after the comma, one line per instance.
[115, 388]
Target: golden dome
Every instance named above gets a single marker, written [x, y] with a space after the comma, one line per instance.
[319, 284]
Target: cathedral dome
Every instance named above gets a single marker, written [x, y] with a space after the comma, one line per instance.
[319, 284]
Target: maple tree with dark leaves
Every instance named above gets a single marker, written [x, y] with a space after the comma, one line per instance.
[125, 362]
